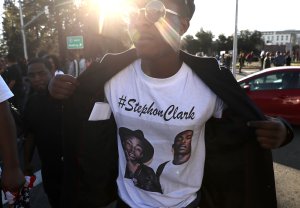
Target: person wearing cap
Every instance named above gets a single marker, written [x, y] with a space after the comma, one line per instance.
[163, 91]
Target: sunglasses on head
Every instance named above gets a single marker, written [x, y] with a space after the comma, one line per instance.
[153, 11]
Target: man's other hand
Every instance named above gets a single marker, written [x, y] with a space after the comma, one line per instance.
[62, 86]
[271, 133]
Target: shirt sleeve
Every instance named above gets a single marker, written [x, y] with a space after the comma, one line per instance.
[5, 92]
[219, 107]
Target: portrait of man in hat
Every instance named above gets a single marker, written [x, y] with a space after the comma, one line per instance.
[138, 152]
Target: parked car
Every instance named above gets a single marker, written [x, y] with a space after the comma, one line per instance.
[276, 91]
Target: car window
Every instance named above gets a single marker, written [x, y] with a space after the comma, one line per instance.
[279, 80]
[291, 80]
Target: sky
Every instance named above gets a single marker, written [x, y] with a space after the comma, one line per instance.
[218, 16]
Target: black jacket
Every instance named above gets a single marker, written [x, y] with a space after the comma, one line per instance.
[238, 172]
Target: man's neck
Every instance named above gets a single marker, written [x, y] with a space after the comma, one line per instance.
[181, 158]
[162, 67]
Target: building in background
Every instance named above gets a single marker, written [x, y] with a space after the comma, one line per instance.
[287, 38]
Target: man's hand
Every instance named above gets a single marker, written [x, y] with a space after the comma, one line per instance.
[12, 179]
[271, 133]
[62, 86]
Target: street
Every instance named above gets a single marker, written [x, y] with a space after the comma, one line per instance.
[287, 173]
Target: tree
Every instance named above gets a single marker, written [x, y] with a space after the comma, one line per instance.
[49, 32]
[205, 41]
[190, 44]
[250, 41]
[11, 41]
[224, 43]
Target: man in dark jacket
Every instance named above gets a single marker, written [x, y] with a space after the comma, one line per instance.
[238, 169]
[42, 122]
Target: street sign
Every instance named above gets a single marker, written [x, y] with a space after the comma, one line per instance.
[75, 42]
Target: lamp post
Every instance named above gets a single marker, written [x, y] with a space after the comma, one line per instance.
[235, 40]
[23, 30]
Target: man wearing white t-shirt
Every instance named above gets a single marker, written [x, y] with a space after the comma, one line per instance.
[12, 177]
[162, 91]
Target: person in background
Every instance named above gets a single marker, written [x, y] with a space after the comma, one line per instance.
[288, 59]
[42, 120]
[249, 58]
[12, 178]
[14, 80]
[241, 61]
[54, 61]
[73, 69]
[262, 58]
[279, 59]
[82, 63]
[267, 61]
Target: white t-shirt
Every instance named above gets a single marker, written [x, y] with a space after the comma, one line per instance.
[150, 114]
[5, 92]
[171, 173]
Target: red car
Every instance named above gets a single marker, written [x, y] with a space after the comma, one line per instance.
[276, 91]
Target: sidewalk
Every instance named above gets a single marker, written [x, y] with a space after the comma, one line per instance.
[287, 186]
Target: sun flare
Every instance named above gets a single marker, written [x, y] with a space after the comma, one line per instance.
[109, 11]
[110, 7]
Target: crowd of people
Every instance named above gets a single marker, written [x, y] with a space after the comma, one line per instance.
[170, 130]
[267, 59]
[37, 116]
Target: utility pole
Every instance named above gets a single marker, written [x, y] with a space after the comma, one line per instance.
[23, 31]
[235, 40]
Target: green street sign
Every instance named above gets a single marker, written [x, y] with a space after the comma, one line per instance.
[75, 42]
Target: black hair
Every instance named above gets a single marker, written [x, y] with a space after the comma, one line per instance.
[187, 8]
[40, 61]
[55, 60]
[181, 133]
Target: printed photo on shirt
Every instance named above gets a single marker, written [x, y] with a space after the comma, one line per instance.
[182, 149]
[138, 152]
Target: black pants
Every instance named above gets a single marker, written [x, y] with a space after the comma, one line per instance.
[52, 183]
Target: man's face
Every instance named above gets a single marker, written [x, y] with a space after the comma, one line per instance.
[182, 144]
[39, 76]
[153, 40]
[133, 149]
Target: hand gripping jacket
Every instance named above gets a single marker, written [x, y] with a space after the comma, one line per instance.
[238, 172]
